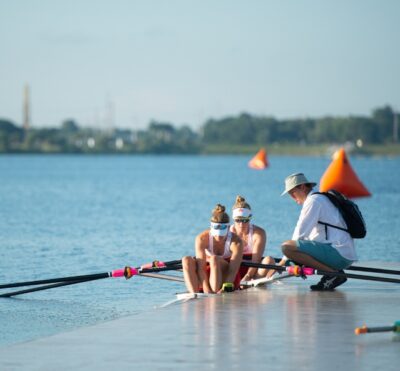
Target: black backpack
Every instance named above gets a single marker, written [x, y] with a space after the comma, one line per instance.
[350, 212]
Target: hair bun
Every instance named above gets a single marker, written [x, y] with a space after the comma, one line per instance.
[219, 208]
[219, 215]
[240, 199]
[240, 203]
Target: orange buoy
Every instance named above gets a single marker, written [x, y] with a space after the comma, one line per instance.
[340, 176]
[259, 161]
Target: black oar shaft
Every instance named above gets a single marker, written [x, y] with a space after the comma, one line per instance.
[364, 269]
[59, 279]
[161, 269]
[373, 270]
[65, 281]
[173, 262]
[381, 329]
[246, 263]
[95, 276]
[321, 272]
[358, 276]
[45, 287]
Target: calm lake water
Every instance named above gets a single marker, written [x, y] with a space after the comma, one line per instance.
[70, 215]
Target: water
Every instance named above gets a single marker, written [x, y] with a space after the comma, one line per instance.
[70, 215]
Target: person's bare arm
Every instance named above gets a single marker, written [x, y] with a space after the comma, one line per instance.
[236, 258]
[259, 242]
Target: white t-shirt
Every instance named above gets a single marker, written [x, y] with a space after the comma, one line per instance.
[318, 208]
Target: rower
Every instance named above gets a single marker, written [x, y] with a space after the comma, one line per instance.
[218, 256]
[254, 240]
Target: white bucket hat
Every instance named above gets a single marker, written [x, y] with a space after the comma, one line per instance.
[295, 180]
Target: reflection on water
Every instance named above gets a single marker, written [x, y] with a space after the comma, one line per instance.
[267, 326]
[289, 327]
[223, 326]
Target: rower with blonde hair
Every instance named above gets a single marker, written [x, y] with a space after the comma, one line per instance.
[218, 256]
[254, 239]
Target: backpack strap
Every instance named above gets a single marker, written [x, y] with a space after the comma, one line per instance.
[326, 194]
[333, 226]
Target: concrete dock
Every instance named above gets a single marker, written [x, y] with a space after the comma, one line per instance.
[284, 326]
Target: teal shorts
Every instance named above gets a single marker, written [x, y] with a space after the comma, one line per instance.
[324, 253]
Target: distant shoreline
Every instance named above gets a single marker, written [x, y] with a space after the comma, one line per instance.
[307, 150]
[272, 149]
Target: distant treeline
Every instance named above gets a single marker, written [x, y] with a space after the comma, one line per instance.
[242, 130]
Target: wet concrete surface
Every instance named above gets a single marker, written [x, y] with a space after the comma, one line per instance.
[280, 327]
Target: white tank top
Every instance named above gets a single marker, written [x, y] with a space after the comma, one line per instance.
[248, 249]
[227, 251]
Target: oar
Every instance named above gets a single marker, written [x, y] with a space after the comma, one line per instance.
[364, 269]
[45, 287]
[372, 270]
[126, 272]
[60, 284]
[115, 273]
[306, 271]
[364, 329]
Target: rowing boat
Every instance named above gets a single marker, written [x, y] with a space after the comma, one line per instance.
[186, 296]
[265, 280]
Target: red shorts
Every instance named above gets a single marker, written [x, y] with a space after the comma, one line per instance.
[236, 282]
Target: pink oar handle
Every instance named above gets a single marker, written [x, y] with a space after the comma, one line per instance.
[308, 271]
[296, 270]
[128, 272]
[122, 272]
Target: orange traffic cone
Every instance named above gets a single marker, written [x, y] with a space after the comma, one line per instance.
[259, 161]
[340, 176]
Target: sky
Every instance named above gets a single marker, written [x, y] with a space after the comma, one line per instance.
[123, 63]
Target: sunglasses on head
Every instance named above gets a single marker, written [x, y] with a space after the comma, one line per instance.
[242, 220]
[221, 226]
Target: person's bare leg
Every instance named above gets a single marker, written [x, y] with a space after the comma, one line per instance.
[224, 267]
[189, 267]
[263, 272]
[215, 273]
[289, 249]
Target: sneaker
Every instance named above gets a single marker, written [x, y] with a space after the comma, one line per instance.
[328, 283]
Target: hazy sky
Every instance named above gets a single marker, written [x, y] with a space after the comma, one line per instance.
[124, 63]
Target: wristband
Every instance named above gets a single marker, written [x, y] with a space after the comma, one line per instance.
[228, 287]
